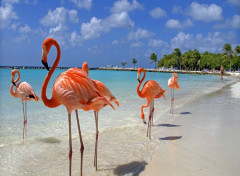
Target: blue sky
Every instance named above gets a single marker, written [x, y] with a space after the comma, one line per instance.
[107, 32]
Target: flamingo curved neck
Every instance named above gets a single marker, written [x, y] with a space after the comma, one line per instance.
[138, 87]
[13, 93]
[53, 101]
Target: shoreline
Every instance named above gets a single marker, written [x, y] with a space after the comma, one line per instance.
[203, 72]
[201, 138]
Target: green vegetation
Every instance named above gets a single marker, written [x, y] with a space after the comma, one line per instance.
[134, 61]
[194, 60]
[123, 63]
[153, 57]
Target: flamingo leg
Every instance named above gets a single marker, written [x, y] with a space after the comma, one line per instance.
[23, 119]
[152, 111]
[173, 102]
[144, 106]
[70, 145]
[81, 141]
[149, 121]
[96, 143]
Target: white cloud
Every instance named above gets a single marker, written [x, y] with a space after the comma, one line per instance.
[73, 16]
[229, 23]
[55, 17]
[58, 28]
[118, 20]
[14, 26]
[136, 44]
[125, 6]
[236, 22]
[60, 15]
[75, 38]
[213, 42]
[187, 23]
[91, 29]
[174, 24]
[158, 13]
[10, 1]
[21, 38]
[96, 26]
[7, 13]
[234, 2]
[30, 2]
[139, 34]
[115, 42]
[87, 4]
[204, 12]
[24, 29]
[177, 10]
[157, 43]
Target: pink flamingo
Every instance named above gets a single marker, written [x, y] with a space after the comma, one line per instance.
[173, 84]
[24, 91]
[150, 90]
[73, 89]
[102, 88]
[104, 91]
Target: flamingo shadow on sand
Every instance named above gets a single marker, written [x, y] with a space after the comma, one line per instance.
[185, 113]
[170, 138]
[133, 168]
[167, 125]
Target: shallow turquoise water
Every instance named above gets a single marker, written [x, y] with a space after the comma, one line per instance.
[45, 121]
[48, 128]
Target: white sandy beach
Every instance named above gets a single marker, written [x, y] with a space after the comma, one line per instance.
[203, 138]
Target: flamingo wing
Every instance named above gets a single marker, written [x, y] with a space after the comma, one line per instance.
[26, 91]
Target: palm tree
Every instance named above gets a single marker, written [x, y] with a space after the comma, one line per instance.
[123, 63]
[134, 61]
[227, 51]
[237, 50]
[177, 52]
[153, 57]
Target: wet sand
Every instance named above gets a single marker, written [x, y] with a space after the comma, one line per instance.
[202, 138]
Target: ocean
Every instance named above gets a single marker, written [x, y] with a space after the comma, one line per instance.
[122, 139]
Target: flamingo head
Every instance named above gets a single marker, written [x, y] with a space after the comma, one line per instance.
[45, 50]
[85, 67]
[13, 73]
[140, 70]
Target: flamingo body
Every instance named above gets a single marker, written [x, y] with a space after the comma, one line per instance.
[25, 92]
[104, 91]
[173, 84]
[150, 90]
[102, 88]
[73, 89]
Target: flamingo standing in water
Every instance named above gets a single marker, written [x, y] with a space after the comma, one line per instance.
[103, 90]
[73, 89]
[24, 91]
[173, 84]
[150, 90]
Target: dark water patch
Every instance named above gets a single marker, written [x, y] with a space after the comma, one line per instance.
[168, 125]
[185, 113]
[171, 138]
[134, 168]
[50, 140]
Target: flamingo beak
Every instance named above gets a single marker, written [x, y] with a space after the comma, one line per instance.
[138, 80]
[45, 65]
[14, 83]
